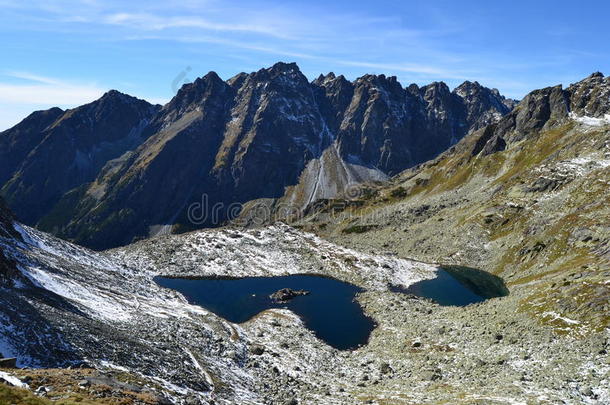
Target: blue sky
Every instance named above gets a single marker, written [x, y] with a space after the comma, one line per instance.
[66, 53]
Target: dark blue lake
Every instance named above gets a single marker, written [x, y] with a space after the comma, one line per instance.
[329, 310]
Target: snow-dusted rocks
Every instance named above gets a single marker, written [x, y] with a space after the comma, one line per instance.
[275, 250]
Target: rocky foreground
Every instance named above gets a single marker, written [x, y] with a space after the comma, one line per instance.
[78, 308]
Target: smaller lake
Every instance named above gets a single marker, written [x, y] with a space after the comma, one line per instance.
[329, 309]
[445, 290]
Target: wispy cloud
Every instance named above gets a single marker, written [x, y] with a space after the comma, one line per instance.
[249, 45]
[33, 77]
[157, 23]
[42, 90]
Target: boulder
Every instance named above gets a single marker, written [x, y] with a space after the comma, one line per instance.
[257, 350]
[10, 362]
[385, 368]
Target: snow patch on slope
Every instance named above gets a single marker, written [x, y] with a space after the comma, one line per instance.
[12, 380]
[591, 121]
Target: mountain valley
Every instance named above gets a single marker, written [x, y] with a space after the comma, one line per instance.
[386, 186]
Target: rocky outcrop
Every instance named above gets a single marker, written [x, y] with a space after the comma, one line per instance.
[591, 96]
[134, 170]
[549, 107]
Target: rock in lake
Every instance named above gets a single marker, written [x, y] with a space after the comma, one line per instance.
[286, 294]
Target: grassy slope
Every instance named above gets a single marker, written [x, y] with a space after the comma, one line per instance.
[18, 396]
[67, 391]
[551, 246]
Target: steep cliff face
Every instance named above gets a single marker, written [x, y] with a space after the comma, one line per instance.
[120, 169]
[381, 128]
[7, 231]
[483, 106]
[380, 124]
[51, 152]
[16, 143]
[275, 127]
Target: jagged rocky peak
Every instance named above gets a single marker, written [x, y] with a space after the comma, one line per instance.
[551, 106]
[441, 102]
[289, 72]
[323, 79]
[468, 88]
[271, 85]
[280, 85]
[190, 95]
[470, 91]
[445, 109]
[390, 82]
[434, 90]
[283, 68]
[540, 106]
[332, 83]
[115, 95]
[237, 80]
[538, 109]
[483, 105]
[333, 96]
[414, 90]
[377, 87]
[591, 96]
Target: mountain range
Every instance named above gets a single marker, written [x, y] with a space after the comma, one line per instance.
[120, 169]
[522, 194]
